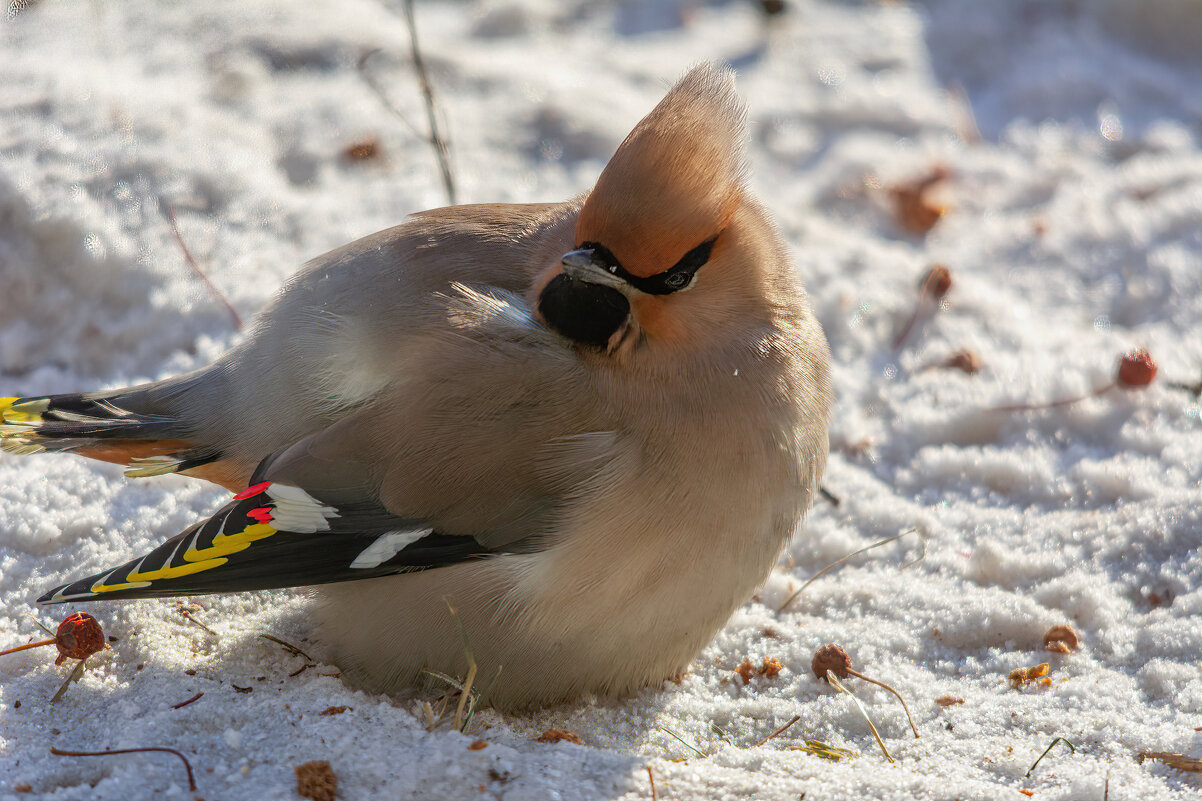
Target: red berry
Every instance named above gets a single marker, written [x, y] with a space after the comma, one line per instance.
[1136, 369]
[937, 281]
[833, 658]
[78, 637]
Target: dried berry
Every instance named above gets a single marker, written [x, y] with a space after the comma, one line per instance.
[78, 637]
[365, 150]
[913, 207]
[937, 282]
[964, 360]
[832, 658]
[316, 780]
[1136, 369]
[1061, 639]
[559, 736]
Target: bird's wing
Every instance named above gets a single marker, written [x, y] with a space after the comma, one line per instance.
[275, 534]
[314, 514]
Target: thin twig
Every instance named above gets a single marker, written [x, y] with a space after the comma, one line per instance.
[291, 648]
[1030, 407]
[831, 497]
[651, 776]
[909, 717]
[28, 645]
[1049, 748]
[834, 680]
[187, 615]
[778, 731]
[440, 145]
[153, 749]
[169, 213]
[191, 700]
[838, 562]
[378, 91]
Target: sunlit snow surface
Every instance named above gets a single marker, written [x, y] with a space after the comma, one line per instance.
[1074, 233]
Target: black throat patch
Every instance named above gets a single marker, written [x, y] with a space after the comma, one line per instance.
[583, 312]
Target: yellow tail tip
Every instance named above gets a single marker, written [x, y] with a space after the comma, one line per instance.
[23, 410]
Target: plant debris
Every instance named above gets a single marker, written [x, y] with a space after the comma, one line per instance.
[1136, 369]
[934, 285]
[824, 750]
[559, 736]
[1178, 761]
[1025, 675]
[78, 637]
[477, 745]
[316, 780]
[191, 700]
[363, 150]
[1072, 747]
[779, 731]
[147, 750]
[1061, 639]
[948, 700]
[842, 559]
[914, 209]
[335, 710]
[964, 360]
[831, 660]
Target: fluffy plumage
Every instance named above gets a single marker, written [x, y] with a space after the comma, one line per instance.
[593, 425]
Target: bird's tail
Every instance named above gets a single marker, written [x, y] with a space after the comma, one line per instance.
[130, 426]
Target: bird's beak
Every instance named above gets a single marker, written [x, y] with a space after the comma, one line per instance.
[583, 265]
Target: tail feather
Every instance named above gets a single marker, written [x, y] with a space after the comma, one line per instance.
[101, 426]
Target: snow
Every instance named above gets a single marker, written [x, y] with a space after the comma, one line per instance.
[1073, 233]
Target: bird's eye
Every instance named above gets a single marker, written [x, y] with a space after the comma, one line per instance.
[678, 280]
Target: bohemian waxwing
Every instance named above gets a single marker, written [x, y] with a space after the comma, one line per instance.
[591, 426]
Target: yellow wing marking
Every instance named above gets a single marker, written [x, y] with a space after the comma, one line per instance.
[226, 544]
[195, 561]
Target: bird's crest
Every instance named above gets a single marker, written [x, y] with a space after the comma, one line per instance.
[677, 178]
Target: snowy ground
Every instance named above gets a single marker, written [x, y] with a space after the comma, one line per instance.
[1073, 232]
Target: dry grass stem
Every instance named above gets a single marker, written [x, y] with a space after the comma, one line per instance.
[841, 560]
[870, 680]
[441, 150]
[684, 742]
[834, 681]
[1072, 747]
[74, 677]
[651, 777]
[779, 731]
[169, 213]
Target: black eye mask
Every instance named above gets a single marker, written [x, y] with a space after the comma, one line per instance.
[677, 277]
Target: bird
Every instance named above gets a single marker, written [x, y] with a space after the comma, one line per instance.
[564, 440]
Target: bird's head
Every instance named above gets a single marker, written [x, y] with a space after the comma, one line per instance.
[667, 243]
